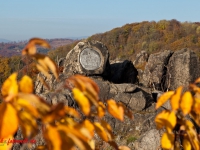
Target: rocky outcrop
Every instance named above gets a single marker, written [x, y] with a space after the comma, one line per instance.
[182, 69]
[168, 70]
[119, 81]
[153, 76]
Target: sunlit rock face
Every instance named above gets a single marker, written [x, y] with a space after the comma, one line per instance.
[87, 58]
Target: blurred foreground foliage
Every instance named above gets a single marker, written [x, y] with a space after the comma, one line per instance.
[182, 122]
[62, 126]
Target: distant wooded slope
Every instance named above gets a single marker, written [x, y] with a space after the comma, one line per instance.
[125, 42]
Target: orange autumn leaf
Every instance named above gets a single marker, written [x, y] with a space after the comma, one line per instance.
[76, 136]
[108, 128]
[72, 112]
[175, 99]
[82, 101]
[101, 110]
[9, 120]
[127, 111]
[88, 80]
[163, 98]
[51, 133]
[90, 127]
[195, 88]
[124, 148]
[167, 140]
[30, 48]
[85, 85]
[197, 80]
[26, 84]
[186, 102]
[10, 87]
[115, 109]
[101, 131]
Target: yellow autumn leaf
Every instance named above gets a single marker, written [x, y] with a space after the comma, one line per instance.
[115, 110]
[57, 112]
[163, 98]
[186, 144]
[186, 102]
[45, 64]
[9, 120]
[167, 140]
[196, 106]
[82, 101]
[175, 99]
[28, 124]
[101, 131]
[42, 106]
[10, 87]
[167, 119]
[26, 84]
[30, 48]
[4, 145]
[43, 70]
[192, 134]
[101, 110]
[24, 104]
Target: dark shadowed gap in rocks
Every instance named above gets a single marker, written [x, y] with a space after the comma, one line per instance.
[164, 85]
[149, 98]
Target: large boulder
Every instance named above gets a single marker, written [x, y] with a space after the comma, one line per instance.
[87, 58]
[154, 73]
[182, 69]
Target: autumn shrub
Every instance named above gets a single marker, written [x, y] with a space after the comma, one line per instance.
[182, 120]
[62, 126]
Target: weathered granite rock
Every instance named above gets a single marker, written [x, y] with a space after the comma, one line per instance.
[123, 72]
[154, 73]
[39, 86]
[87, 58]
[141, 59]
[149, 141]
[182, 69]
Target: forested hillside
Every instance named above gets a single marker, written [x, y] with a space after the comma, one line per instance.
[125, 42]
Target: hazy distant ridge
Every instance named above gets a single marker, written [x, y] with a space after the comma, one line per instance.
[4, 41]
